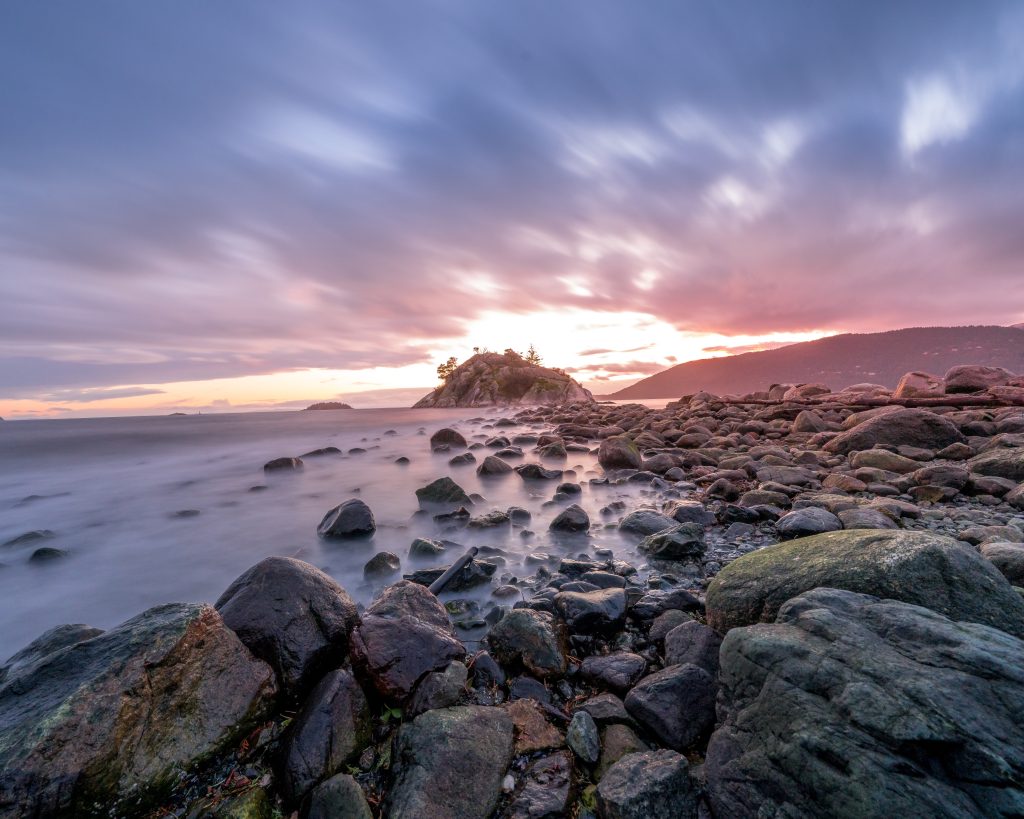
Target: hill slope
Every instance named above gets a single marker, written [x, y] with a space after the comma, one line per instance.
[839, 361]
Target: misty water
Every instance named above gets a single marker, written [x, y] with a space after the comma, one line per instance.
[113, 491]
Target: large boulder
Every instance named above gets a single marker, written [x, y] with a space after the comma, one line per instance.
[915, 567]
[909, 427]
[404, 634]
[333, 726]
[450, 763]
[291, 615]
[676, 704]
[919, 385]
[496, 379]
[115, 720]
[1000, 463]
[976, 378]
[852, 706]
[619, 452]
[48, 642]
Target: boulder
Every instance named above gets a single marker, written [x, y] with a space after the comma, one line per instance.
[681, 542]
[442, 492]
[447, 438]
[646, 522]
[405, 633]
[530, 639]
[493, 467]
[48, 642]
[340, 797]
[450, 763]
[913, 427]
[380, 565]
[1008, 558]
[592, 610]
[648, 785]
[350, 519]
[619, 452]
[849, 705]
[695, 644]
[573, 519]
[811, 520]
[536, 472]
[439, 689]
[116, 719]
[545, 790]
[616, 672]
[334, 725]
[676, 704]
[975, 378]
[919, 385]
[291, 615]
[916, 567]
[1000, 463]
[809, 421]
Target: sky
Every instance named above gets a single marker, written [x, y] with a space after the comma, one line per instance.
[240, 205]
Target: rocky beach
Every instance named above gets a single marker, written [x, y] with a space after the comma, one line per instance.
[789, 603]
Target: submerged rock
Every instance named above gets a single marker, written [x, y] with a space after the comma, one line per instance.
[115, 719]
[447, 438]
[849, 705]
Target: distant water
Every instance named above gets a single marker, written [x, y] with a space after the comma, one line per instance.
[113, 490]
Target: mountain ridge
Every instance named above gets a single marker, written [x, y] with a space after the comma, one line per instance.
[841, 360]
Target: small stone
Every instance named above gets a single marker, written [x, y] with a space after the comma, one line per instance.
[583, 739]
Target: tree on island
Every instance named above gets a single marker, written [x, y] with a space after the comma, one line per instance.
[445, 370]
[533, 357]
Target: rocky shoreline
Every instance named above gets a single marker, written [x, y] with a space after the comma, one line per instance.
[824, 619]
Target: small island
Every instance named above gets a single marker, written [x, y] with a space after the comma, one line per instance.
[328, 405]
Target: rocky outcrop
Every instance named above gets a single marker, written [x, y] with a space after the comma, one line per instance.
[493, 379]
[852, 706]
[915, 567]
[328, 405]
[114, 719]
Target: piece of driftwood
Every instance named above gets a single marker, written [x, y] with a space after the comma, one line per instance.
[438, 585]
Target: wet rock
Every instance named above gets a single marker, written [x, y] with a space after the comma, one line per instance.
[853, 706]
[649, 785]
[340, 797]
[915, 567]
[491, 520]
[282, 464]
[475, 573]
[693, 643]
[380, 565]
[545, 790]
[529, 639]
[291, 615]
[46, 643]
[676, 704]
[439, 689]
[450, 762]
[914, 427]
[486, 672]
[47, 554]
[34, 536]
[115, 719]
[646, 522]
[465, 459]
[447, 437]
[333, 727]
[572, 519]
[607, 709]
[532, 730]
[405, 633]
[809, 521]
[442, 492]
[685, 541]
[536, 472]
[351, 519]
[665, 622]
[583, 739]
[591, 611]
[619, 452]
[493, 467]
[690, 512]
[426, 548]
[617, 672]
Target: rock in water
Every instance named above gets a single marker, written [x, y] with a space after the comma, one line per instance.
[450, 763]
[293, 616]
[572, 519]
[115, 720]
[493, 467]
[901, 427]
[443, 492]
[405, 633]
[447, 438]
[852, 706]
[333, 727]
[493, 379]
[352, 518]
[916, 567]
[649, 785]
[619, 452]
[531, 639]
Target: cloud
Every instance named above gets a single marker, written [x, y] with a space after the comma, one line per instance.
[89, 395]
[341, 186]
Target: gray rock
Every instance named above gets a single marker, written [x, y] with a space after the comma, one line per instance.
[381, 565]
[665, 622]
[649, 785]
[333, 727]
[447, 437]
[46, 643]
[443, 492]
[591, 611]
[1008, 558]
[282, 464]
[690, 512]
[450, 763]
[808, 521]
[865, 518]
[572, 519]
[617, 740]
[425, 548]
[975, 378]
[1000, 463]
[531, 639]
[852, 706]
[536, 472]
[682, 542]
[617, 672]
[676, 704]
[493, 467]
[340, 797]
[351, 519]
[439, 689]
[545, 790]
[693, 643]
[911, 427]
[646, 522]
[916, 567]
[583, 739]
[619, 452]
[292, 615]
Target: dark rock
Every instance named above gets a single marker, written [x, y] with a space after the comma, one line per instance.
[450, 763]
[527, 688]
[447, 437]
[617, 672]
[486, 672]
[646, 522]
[425, 548]
[442, 492]
[666, 621]
[114, 720]
[381, 564]
[915, 567]
[322, 452]
[676, 704]
[279, 464]
[47, 554]
[693, 643]
[617, 741]
[913, 427]
[475, 573]
[583, 739]
[530, 639]
[46, 643]
[808, 521]
[853, 706]
[690, 512]
[619, 452]
[681, 542]
[1000, 463]
[439, 689]
[405, 633]
[535, 472]
[351, 519]
[571, 519]
[465, 459]
[649, 785]
[493, 467]
[545, 790]
[340, 797]
[30, 537]
[333, 727]
[591, 611]
[1008, 558]
[293, 616]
